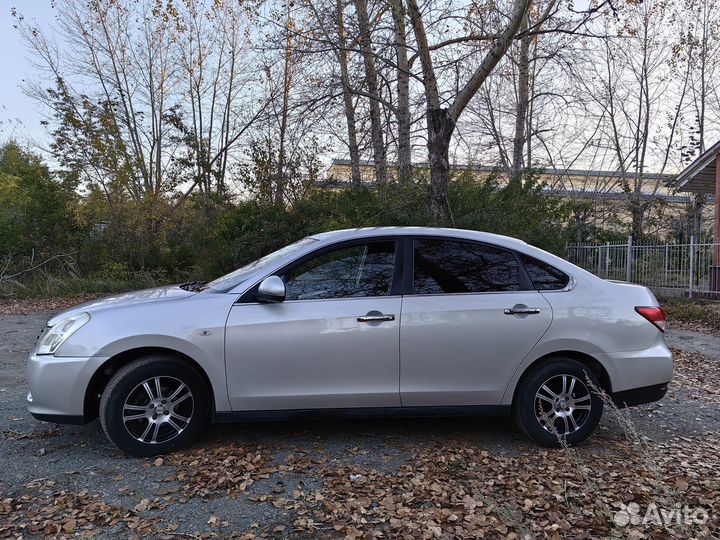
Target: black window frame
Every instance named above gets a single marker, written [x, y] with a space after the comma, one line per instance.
[525, 283]
[396, 287]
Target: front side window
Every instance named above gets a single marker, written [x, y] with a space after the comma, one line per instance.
[349, 272]
[545, 277]
[450, 266]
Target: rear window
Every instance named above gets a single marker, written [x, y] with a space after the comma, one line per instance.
[544, 276]
[451, 266]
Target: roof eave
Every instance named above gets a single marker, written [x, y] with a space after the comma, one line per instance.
[692, 170]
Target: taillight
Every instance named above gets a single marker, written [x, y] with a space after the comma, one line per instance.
[655, 315]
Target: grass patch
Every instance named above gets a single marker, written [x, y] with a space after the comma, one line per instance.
[700, 315]
[48, 286]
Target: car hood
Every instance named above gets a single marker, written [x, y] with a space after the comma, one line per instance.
[158, 294]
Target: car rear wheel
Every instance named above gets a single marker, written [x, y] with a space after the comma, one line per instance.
[558, 401]
[154, 405]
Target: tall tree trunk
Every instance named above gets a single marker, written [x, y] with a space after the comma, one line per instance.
[440, 129]
[637, 211]
[440, 125]
[696, 210]
[280, 181]
[521, 109]
[376, 128]
[703, 86]
[353, 147]
[403, 91]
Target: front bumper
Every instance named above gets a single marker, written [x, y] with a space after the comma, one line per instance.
[57, 387]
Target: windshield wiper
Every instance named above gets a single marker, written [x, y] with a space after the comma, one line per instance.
[193, 286]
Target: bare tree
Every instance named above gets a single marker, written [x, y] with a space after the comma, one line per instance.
[188, 96]
[631, 101]
[215, 76]
[441, 120]
[523, 104]
[349, 106]
[172, 83]
[404, 148]
[284, 110]
[698, 45]
[371, 83]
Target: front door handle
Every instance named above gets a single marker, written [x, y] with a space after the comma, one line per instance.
[376, 316]
[522, 310]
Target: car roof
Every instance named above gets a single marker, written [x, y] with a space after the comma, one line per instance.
[368, 232]
[508, 242]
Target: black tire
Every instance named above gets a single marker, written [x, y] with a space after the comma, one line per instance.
[531, 403]
[125, 397]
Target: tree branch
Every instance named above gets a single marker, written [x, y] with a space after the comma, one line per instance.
[491, 59]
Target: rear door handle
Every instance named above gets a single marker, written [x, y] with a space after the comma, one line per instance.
[373, 317]
[517, 310]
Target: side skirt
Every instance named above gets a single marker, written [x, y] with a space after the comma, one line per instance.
[75, 420]
[362, 412]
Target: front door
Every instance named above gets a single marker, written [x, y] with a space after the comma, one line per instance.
[333, 342]
[470, 320]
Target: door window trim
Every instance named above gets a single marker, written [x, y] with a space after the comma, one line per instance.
[396, 287]
[525, 283]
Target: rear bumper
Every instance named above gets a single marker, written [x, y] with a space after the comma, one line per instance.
[638, 396]
[633, 371]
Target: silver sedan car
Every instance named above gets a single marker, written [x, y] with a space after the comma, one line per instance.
[401, 321]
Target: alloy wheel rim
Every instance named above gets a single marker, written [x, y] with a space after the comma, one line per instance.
[562, 404]
[158, 409]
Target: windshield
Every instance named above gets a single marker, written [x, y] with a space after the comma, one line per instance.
[228, 281]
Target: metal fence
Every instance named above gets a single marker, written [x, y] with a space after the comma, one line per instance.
[671, 269]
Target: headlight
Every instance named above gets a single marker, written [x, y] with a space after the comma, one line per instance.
[57, 335]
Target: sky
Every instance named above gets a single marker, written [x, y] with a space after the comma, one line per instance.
[15, 66]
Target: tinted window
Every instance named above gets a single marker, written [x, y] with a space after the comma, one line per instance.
[544, 276]
[356, 271]
[443, 266]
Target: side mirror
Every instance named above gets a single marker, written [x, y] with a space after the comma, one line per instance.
[271, 290]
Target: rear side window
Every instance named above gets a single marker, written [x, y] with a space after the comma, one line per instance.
[545, 277]
[449, 266]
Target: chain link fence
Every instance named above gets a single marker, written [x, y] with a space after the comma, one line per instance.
[669, 269]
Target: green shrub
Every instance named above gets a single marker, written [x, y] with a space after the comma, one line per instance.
[35, 211]
[128, 244]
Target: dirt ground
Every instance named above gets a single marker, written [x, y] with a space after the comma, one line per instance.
[417, 478]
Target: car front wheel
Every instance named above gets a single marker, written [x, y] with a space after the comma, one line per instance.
[558, 401]
[154, 405]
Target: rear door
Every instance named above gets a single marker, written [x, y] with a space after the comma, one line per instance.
[470, 318]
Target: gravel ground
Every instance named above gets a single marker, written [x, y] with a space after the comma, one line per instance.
[38, 461]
